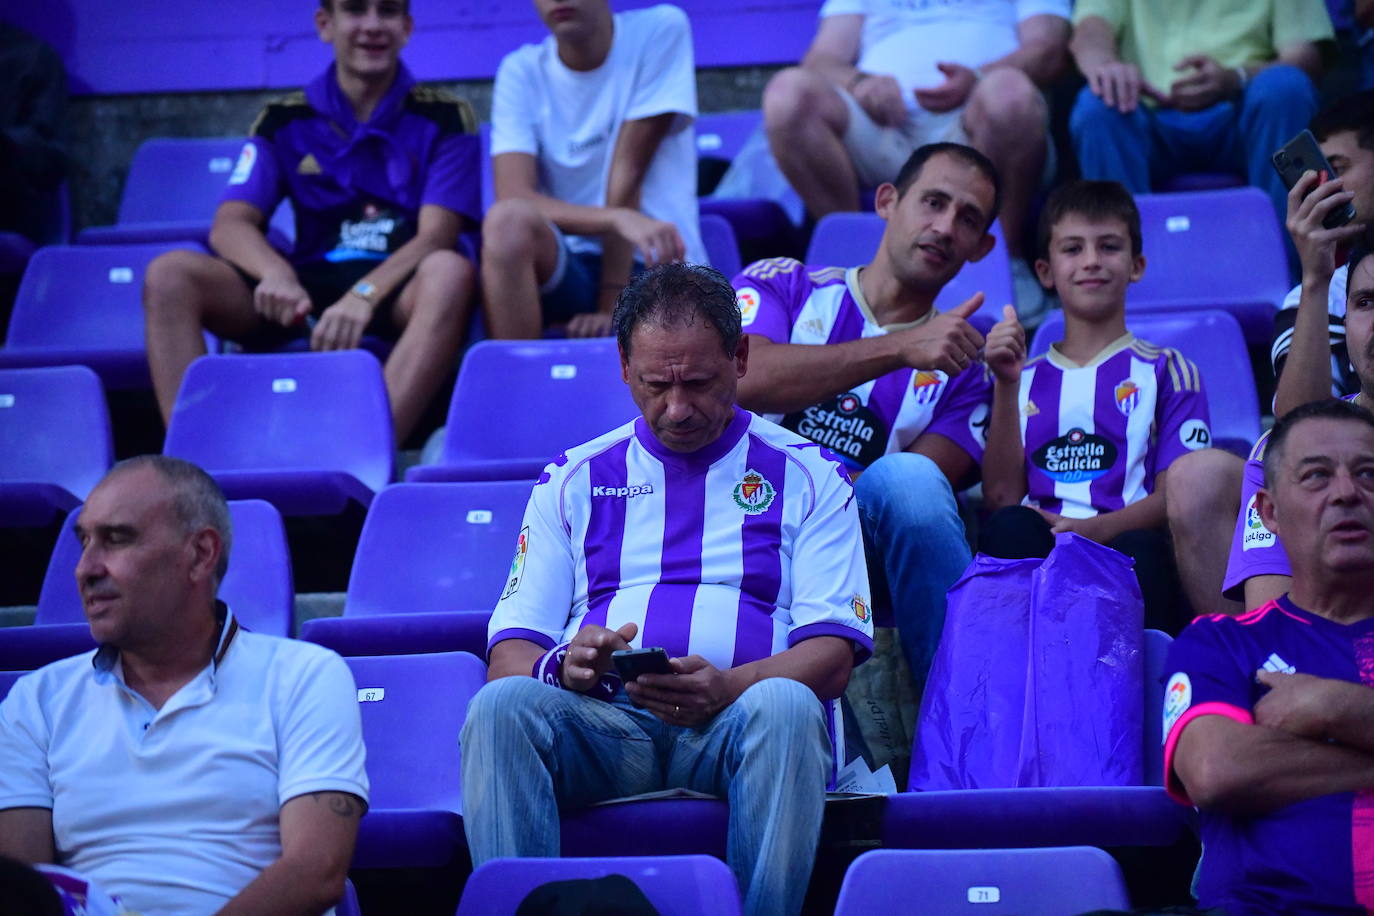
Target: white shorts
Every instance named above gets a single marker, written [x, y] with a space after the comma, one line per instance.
[879, 152]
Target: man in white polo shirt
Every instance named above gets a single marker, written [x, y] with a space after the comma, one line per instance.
[186, 765]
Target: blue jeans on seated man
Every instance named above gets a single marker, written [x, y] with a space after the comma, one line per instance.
[916, 548]
[1152, 144]
[530, 749]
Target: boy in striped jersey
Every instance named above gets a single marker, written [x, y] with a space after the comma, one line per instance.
[1081, 438]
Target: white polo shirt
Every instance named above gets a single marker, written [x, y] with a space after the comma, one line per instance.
[175, 810]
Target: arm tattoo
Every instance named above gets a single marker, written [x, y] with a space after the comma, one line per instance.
[340, 803]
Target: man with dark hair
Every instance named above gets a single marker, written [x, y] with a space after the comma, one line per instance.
[186, 765]
[1269, 717]
[858, 360]
[702, 529]
[383, 175]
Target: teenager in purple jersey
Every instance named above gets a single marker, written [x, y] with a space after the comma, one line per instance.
[702, 529]
[1081, 438]
[383, 175]
[1269, 716]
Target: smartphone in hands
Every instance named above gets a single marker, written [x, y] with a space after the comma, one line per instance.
[631, 663]
[1302, 154]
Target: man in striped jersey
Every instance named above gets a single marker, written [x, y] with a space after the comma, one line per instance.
[1081, 438]
[702, 529]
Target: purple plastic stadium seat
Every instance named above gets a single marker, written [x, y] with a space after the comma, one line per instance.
[172, 191]
[1032, 882]
[635, 828]
[722, 251]
[1213, 249]
[15, 251]
[413, 708]
[83, 305]
[675, 885]
[519, 403]
[7, 679]
[258, 587]
[54, 441]
[722, 135]
[1200, 181]
[1052, 816]
[308, 432]
[1214, 341]
[850, 239]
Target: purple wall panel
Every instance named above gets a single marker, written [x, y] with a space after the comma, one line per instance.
[150, 46]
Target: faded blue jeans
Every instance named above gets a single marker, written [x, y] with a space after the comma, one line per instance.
[916, 549]
[530, 749]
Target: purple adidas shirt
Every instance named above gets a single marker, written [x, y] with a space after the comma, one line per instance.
[1309, 857]
[357, 188]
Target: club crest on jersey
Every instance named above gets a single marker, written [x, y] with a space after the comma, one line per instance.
[1075, 457]
[1127, 396]
[1256, 537]
[747, 299]
[926, 386]
[860, 608]
[517, 564]
[754, 494]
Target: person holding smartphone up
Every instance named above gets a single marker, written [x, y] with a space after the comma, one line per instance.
[705, 531]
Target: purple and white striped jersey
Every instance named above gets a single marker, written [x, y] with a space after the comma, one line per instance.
[734, 552]
[788, 302]
[1095, 436]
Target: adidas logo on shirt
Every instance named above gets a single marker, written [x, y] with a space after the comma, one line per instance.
[1276, 665]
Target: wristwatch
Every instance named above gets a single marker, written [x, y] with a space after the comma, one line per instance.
[365, 291]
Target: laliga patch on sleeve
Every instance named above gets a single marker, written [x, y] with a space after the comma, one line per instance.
[1256, 536]
[243, 169]
[517, 565]
[1178, 696]
[748, 301]
[1195, 435]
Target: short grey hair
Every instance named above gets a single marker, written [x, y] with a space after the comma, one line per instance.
[196, 499]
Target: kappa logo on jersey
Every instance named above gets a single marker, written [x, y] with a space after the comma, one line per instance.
[845, 425]
[1075, 457]
[630, 492]
[860, 608]
[754, 494]
[926, 386]
[1178, 696]
[1256, 536]
[309, 166]
[243, 169]
[1127, 396]
[517, 565]
[978, 420]
[1195, 435]
[747, 299]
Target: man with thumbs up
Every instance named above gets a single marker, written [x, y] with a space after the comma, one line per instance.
[857, 360]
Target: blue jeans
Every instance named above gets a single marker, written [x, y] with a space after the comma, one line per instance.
[916, 549]
[530, 749]
[1152, 144]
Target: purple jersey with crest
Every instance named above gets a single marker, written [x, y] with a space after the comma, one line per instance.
[1095, 436]
[357, 188]
[790, 303]
[1314, 856]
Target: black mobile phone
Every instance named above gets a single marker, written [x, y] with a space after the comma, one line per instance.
[631, 663]
[1302, 154]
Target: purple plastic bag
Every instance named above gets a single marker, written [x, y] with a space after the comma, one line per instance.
[1037, 679]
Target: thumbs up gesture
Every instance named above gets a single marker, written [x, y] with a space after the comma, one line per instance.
[1006, 347]
[946, 342]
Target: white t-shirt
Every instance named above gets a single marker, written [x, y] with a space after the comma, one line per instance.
[569, 120]
[907, 38]
[176, 810]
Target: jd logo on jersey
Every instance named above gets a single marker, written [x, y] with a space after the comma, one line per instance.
[844, 425]
[1075, 457]
[754, 494]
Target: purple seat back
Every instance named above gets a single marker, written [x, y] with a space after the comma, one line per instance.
[178, 179]
[436, 547]
[721, 135]
[1213, 249]
[84, 305]
[312, 415]
[528, 400]
[851, 239]
[675, 885]
[1032, 882]
[1214, 341]
[1201, 181]
[7, 679]
[54, 431]
[722, 250]
[257, 586]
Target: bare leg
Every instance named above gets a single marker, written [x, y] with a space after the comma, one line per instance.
[519, 254]
[1203, 496]
[806, 119]
[1005, 120]
[433, 309]
[185, 293]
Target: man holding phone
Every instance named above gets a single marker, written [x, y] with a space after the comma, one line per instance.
[729, 542]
